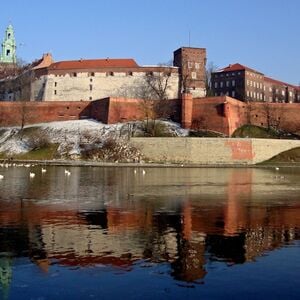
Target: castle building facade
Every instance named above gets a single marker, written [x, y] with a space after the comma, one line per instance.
[246, 84]
[86, 80]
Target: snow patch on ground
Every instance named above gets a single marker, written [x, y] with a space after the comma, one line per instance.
[70, 135]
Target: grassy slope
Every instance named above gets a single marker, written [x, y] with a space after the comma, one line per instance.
[252, 131]
[48, 153]
[290, 156]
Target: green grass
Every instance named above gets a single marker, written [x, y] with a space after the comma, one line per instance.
[46, 153]
[290, 156]
[205, 133]
[252, 131]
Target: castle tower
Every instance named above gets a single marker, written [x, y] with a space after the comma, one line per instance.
[191, 63]
[8, 53]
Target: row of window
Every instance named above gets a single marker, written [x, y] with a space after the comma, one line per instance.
[228, 83]
[255, 75]
[255, 84]
[92, 74]
[226, 74]
[193, 64]
[232, 94]
[254, 95]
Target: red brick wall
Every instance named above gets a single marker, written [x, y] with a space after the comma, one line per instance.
[123, 110]
[222, 114]
[209, 113]
[284, 115]
[37, 112]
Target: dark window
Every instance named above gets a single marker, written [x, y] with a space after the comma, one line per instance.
[91, 98]
[75, 74]
[55, 84]
[91, 87]
[55, 92]
[7, 52]
[130, 73]
[92, 74]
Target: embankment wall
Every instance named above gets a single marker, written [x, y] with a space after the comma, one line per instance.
[212, 151]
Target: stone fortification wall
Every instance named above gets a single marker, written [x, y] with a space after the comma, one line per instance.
[212, 151]
[86, 87]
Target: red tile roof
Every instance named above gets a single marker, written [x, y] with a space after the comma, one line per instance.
[278, 82]
[237, 67]
[93, 64]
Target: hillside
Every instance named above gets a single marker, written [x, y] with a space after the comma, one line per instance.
[86, 139]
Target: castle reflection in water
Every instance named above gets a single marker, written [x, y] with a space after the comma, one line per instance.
[118, 217]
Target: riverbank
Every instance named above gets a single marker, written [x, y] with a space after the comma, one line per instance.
[90, 143]
[86, 163]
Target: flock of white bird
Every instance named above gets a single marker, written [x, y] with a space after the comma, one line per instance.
[31, 174]
[43, 170]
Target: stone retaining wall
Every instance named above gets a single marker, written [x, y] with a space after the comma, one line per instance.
[212, 151]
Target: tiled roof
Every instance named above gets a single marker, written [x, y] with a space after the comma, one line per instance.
[237, 67]
[93, 64]
[278, 82]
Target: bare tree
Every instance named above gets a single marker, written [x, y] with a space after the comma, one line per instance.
[273, 114]
[210, 68]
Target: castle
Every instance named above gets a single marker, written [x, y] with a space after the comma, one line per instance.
[87, 80]
[114, 90]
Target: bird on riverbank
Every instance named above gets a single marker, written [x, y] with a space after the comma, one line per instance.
[44, 170]
[1, 176]
[277, 169]
[31, 175]
[143, 172]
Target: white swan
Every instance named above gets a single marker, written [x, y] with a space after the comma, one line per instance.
[31, 175]
[67, 172]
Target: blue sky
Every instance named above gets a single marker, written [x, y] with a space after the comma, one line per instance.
[262, 34]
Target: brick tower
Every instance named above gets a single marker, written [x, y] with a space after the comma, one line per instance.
[191, 62]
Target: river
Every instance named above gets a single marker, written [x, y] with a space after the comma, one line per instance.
[153, 233]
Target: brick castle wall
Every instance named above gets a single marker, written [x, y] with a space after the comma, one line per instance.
[221, 114]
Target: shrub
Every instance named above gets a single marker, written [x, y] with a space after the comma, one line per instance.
[112, 150]
[37, 140]
[153, 128]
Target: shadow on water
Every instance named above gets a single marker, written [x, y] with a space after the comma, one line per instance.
[178, 223]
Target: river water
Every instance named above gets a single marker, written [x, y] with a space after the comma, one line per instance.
[157, 233]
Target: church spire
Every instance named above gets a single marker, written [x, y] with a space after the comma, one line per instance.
[8, 53]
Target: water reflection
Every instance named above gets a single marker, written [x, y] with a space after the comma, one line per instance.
[121, 218]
